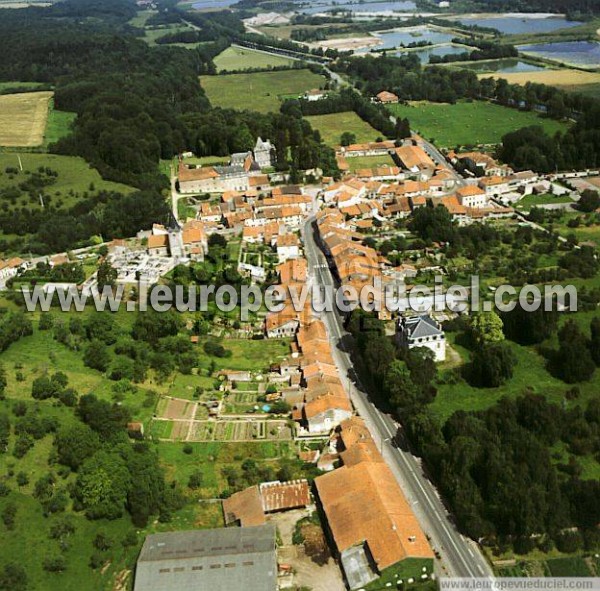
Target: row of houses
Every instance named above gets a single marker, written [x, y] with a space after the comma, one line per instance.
[368, 517]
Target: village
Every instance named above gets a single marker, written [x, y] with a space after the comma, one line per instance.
[259, 223]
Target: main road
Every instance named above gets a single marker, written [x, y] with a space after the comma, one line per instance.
[460, 557]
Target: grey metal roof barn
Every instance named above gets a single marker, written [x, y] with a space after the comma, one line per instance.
[214, 560]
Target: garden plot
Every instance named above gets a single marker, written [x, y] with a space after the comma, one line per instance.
[176, 408]
[238, 431]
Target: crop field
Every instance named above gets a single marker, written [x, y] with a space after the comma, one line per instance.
[23, 118]
[258, 91]
[175, 408]
[332, 126]
[240, 58]
[565, 79]
[469, 123]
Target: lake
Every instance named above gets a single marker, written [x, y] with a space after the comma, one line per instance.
[580, 53]
[402, 6]
[506, 66]
[519, 24]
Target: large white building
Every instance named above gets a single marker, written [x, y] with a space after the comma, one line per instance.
[263, 153]
[422, 331]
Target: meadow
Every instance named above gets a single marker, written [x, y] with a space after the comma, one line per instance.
[23, 118]
[332, 126]
[530, 201]
[469, 123]
[362, 162]
[241, 58]
[74, 176]
[258, 91]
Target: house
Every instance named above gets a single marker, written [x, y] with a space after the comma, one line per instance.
[288, 247]
[315, 95]
[414, 159]
[195, 242]
[216, 559]
[386, 97]
[367, 149]
[472, 196]
[494, 185]
[11, 267]
[421, 331]
[370, 520]
[158, 245]
[324, 413]
[264, 153]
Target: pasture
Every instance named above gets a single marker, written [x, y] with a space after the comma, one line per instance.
[332, 126]
[258, 91]
[565, 79]
[241, 58]
[362, 162]
[23, 119]
[469, 123]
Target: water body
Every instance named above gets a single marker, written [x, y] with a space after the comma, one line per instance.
[212, 4]
[580, 53]
[523, 23]
[396, 37]
[442, 50]
[506, 66]
[401, 6]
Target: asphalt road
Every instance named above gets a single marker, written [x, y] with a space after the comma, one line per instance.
[460, 557]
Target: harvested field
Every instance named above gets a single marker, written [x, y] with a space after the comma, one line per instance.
[570, 80]
[23, 118]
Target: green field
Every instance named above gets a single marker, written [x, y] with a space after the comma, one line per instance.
[239, 58]
[58, 125]
[530, 201]
[568, 567]
[469, 123]
[74, 174]
[332, 126]
[259, 91]
[362, 162]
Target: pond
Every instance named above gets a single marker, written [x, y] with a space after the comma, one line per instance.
[212, 4]
[518, 24]
[423, 54]
[506, 66]
[579, 53]
[315, 7]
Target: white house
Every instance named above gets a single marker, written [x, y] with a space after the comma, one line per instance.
[288, 247]
[422, 331]
[263, 153]
[472, 196]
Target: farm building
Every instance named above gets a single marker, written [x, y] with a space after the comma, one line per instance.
[251, 505]
[216, 559]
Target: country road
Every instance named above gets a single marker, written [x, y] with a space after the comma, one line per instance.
[460, 557]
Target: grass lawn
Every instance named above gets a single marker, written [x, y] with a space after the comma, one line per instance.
[332, 126]
[530, 374]
[471, 123]
[568, 567]
[362, 162]
[530, 201]
[409, 568]
[258, 91]
[58, 125]
[248, 355]
[241, 58]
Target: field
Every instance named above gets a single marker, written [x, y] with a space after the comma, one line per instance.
[569, 80]
[469, 123]
[362, 162]
[58, 125]
[75, 175]
[535, 200]
[240, 58]
[23, 118]
[259, 91]
[332, 126]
